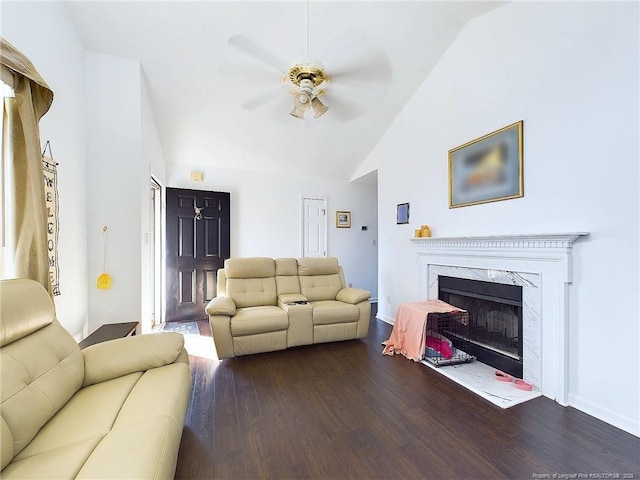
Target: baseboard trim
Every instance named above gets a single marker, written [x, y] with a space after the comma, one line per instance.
[385, 319]
[623, 423]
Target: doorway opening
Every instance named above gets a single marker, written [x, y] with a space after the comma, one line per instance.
[156, 245]
[197, 244]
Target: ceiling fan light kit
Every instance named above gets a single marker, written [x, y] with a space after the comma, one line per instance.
[301, 103]
[307, 77]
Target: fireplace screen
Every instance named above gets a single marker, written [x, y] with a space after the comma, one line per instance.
[494, 332]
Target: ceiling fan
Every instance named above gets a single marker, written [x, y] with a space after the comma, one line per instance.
[357, 76]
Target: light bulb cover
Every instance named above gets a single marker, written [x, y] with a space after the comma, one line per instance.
[319, 108]
[297, 113]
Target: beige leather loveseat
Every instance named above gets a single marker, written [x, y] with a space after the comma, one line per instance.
[265, 305]
[112, 411]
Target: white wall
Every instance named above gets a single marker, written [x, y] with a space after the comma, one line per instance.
[153, 163]
[570, 71]
[43, 33]
[266, 216]
[153, 156]
[115, 170]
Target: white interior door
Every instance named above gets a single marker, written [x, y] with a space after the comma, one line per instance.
[314, 227]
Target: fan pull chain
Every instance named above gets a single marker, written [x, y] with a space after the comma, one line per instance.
[104, 249]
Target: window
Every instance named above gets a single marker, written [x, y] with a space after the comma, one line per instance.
[6, 262]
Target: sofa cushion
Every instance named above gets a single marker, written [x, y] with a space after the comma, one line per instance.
[40, 373]
[251, 267]
[317, 266]
[147, 449]
[6, 443]
[253, 320]
[64, 462]
[286, 266]
[252, 292]
[144, 437]
[25, 307]
[327, 312]
[287, 284]
[150, 397]
[320, 287]
[89, 414]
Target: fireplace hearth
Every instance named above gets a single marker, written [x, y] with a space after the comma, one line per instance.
[494, 333]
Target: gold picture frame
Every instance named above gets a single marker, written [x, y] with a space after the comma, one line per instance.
[343, 219]
[488, 169]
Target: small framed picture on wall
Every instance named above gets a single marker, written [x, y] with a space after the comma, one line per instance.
[343, 219]
[402, 213]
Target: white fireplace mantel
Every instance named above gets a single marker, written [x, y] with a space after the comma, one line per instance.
[535, 240]
[542, 264]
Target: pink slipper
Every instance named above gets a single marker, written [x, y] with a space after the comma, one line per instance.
[523, 385]
[503, 377]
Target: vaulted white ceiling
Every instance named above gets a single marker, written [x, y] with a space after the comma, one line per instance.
[198, 84]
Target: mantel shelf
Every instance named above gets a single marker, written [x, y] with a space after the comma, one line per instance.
[535, 240]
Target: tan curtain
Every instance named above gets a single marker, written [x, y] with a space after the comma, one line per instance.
[23, 165]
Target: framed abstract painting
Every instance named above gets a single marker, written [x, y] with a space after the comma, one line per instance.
[487, 169]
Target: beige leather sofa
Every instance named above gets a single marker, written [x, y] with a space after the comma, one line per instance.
[112, 411]
[265, 305]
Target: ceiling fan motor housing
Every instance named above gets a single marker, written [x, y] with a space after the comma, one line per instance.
[307, 71]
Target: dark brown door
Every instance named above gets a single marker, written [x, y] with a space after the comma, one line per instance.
[198, 243]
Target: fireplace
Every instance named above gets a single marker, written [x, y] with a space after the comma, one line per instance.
[494, 333]
[539, 263]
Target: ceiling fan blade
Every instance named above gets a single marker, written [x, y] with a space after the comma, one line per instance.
[341, 48]
[348, 89]
[353, 54]
[256, 51]
[375, 69]
[265, 98]
[344, 110]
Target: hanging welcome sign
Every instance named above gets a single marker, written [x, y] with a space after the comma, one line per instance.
[53, 226]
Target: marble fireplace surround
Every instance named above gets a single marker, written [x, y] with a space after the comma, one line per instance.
[542, 265]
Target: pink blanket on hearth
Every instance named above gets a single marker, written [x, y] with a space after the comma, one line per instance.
[408, 334]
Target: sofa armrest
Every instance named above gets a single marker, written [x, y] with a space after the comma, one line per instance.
[116, 358]
[353, 295]
[221, 306]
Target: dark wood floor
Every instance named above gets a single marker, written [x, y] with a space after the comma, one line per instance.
[343, 410]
